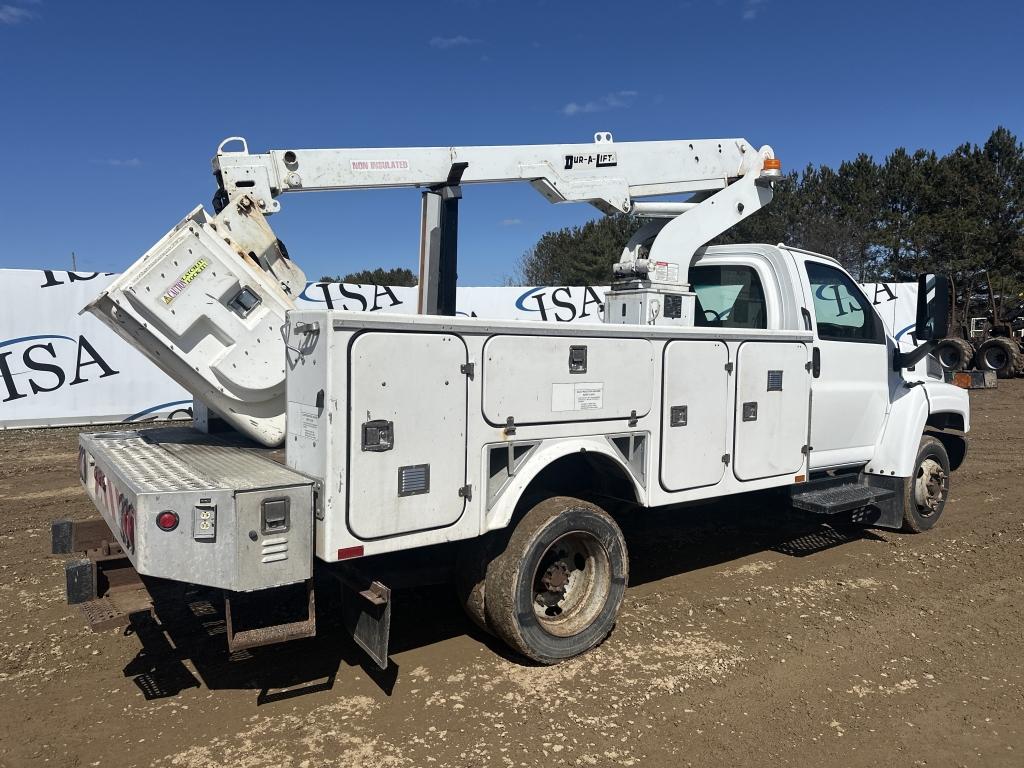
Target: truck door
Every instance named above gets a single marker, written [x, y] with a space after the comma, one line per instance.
[850, 393]
[407, 432]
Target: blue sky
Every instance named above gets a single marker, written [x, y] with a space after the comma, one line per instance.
[110, 112]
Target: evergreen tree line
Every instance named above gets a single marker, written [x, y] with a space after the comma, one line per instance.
[959, 214]
[399, 276]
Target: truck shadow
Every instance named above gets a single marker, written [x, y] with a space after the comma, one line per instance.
[673, 540]
[183, 641]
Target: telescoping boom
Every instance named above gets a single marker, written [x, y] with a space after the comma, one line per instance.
[223, 342]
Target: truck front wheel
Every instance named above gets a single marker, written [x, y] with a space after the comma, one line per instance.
[927, 489]
[554, 592]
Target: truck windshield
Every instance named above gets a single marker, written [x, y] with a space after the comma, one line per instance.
[728, 297]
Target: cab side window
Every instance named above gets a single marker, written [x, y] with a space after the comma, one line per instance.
[842, 312]
[728, 297]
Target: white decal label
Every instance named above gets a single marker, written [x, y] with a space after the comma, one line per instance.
[585, 396]
[592, 160]
[666, 271]
[308, 425]
[380, 165]
[589, 397]
[303, 421]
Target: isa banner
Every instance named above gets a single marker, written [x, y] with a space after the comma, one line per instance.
[59, 367]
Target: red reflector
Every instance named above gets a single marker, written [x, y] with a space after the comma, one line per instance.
[346, 552]
[167, 520]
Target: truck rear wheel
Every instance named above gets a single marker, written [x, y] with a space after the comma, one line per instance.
[555, 590]
[954, 354]
[926, 491]
[471, 573]
[1001, 355]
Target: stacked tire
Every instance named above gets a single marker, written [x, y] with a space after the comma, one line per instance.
[954, 354]
[999, 354]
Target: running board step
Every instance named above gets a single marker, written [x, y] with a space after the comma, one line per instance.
[839, 498]
[274, 633]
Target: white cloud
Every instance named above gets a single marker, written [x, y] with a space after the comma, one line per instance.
[510, 222]
[12, 14]
[751, 8]
[444, 43]
[128, 162]
[616, 100]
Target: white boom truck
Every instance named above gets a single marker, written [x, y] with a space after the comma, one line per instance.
[715, 371]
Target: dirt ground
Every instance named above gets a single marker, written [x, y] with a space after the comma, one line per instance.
[747, 637]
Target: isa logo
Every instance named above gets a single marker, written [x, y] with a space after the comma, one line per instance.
[564, 304]
[35, 365]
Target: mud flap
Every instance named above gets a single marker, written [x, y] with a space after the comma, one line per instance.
[889, 511]
[366, 614]
[80, 580]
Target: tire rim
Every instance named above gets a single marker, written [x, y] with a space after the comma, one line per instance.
[930, 487]
[949, 357]
[996, 358]
[571, 584]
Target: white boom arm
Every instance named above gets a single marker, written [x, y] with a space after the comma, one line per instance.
[610, 175]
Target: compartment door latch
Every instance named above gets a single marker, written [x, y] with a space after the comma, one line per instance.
[378, 435]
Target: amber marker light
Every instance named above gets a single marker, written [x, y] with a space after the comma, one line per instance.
[771, 166]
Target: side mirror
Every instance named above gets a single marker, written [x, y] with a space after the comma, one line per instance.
[932, 307]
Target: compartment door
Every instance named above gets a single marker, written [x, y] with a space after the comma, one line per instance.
[695, 414]
[407, 432]
[773, 390]
[562, 379]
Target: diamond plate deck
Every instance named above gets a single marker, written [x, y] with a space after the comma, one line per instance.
[181, 459]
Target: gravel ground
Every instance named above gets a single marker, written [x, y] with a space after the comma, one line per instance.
[747, 637]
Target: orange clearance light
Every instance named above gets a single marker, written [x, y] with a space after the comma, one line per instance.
[771, 166]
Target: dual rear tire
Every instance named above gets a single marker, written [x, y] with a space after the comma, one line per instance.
[552, 587]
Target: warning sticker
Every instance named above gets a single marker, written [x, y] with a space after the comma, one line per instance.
[666, 271]
[303, 421]
[589, 397]
[308, 423]
[584, 396]
[183, 282]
